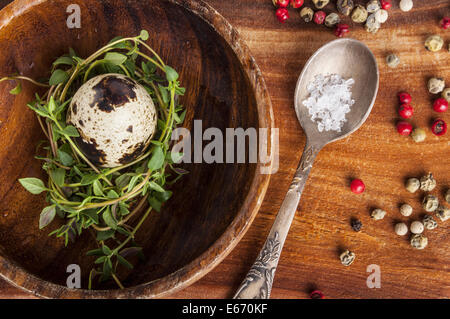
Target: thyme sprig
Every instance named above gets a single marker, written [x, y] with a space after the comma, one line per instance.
[107, 201]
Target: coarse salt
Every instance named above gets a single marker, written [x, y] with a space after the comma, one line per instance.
[330, 98]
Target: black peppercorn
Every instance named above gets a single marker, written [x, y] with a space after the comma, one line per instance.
[356, 224]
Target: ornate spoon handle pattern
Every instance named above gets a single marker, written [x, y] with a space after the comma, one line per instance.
[258, 282]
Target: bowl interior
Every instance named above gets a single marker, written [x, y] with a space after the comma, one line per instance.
[218, 92]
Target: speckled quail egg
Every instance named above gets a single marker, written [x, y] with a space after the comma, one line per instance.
[116, 119]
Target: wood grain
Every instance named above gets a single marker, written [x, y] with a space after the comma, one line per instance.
[376, 154]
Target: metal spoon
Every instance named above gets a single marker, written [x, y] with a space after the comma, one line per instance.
[350, 59]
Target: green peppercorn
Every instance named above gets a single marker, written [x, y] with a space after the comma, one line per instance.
[418, 135]
[320, 3]
[347, 258]
[436, 85]
[372, 25]
[443, 213]
[434, 43]
[430, 203]
[427, 183]
[359, 14]
[345, 6]
[419, 241]
[392, 60]
[447, 196]
[429, 222]
[332, 19]
[446, 94]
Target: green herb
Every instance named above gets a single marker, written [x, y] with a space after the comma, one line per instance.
[111, 202]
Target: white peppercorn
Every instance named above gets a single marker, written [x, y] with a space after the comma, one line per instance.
[418, 135]
[443, 213]
[381, 16]
[412, 185]
[345, 6]
[378, 214]
[436, 85]
[372, 25]
[434, 43]
[430, 203]
[307, 14]
[429, 222]
[320, 3]
[347, 258]
[416, 227]
[332, 19]
[406, 5]
[446, 94]
[392, 60]
[401, 229]
[406, 210]
[419, 241]
[427, 183]
[373, 6]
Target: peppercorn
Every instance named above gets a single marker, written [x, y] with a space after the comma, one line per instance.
[406, 5]
[296, 3]
[372, 25]
[359, 14]
[316, 294]
[341, 30]
[347, 258]
[429, 222]
[307, 14]
[427, 183]
[386, 4]
[357, 186]
[319, 17]
[434, 43]
[320, 3]
[418, 135]
[345, 6]
[436, 85]
[443, 213]
[373, 6]
[404, 128]
[440, 105]
[381, 15]
[404, 97]
[406, 210]
[416, 227]
[332, 19]
[439, 127]
[356, 225]
[445, 23]
[419, 241]
[412, 185]
[392, 60]
[401, 229]
[430, 203]
[281, 3]
[378, 214]
[447, 196]
[405, 111]
[446, 94]
[282, 15]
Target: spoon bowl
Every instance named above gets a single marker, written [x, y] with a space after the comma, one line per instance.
[350, 59]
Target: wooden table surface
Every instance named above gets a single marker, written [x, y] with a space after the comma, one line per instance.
[375, 153]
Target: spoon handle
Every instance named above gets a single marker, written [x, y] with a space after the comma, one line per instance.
[258, 283]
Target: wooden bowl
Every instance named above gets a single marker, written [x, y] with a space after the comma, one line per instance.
[212, 206]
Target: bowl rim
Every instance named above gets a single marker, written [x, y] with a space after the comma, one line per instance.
[210, 258]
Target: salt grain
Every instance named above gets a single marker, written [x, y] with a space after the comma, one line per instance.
[330, 99]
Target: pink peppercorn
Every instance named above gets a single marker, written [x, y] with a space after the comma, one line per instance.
[440, 105]
[316, 294]
[404, 128]
[319, 17]
[405, 111]
[296, 3]
[341, 30]
[357, 186]
[439, 127]
[282, 3]
[445, 23]
[386, 4]
[282, 15]
[404, 97]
